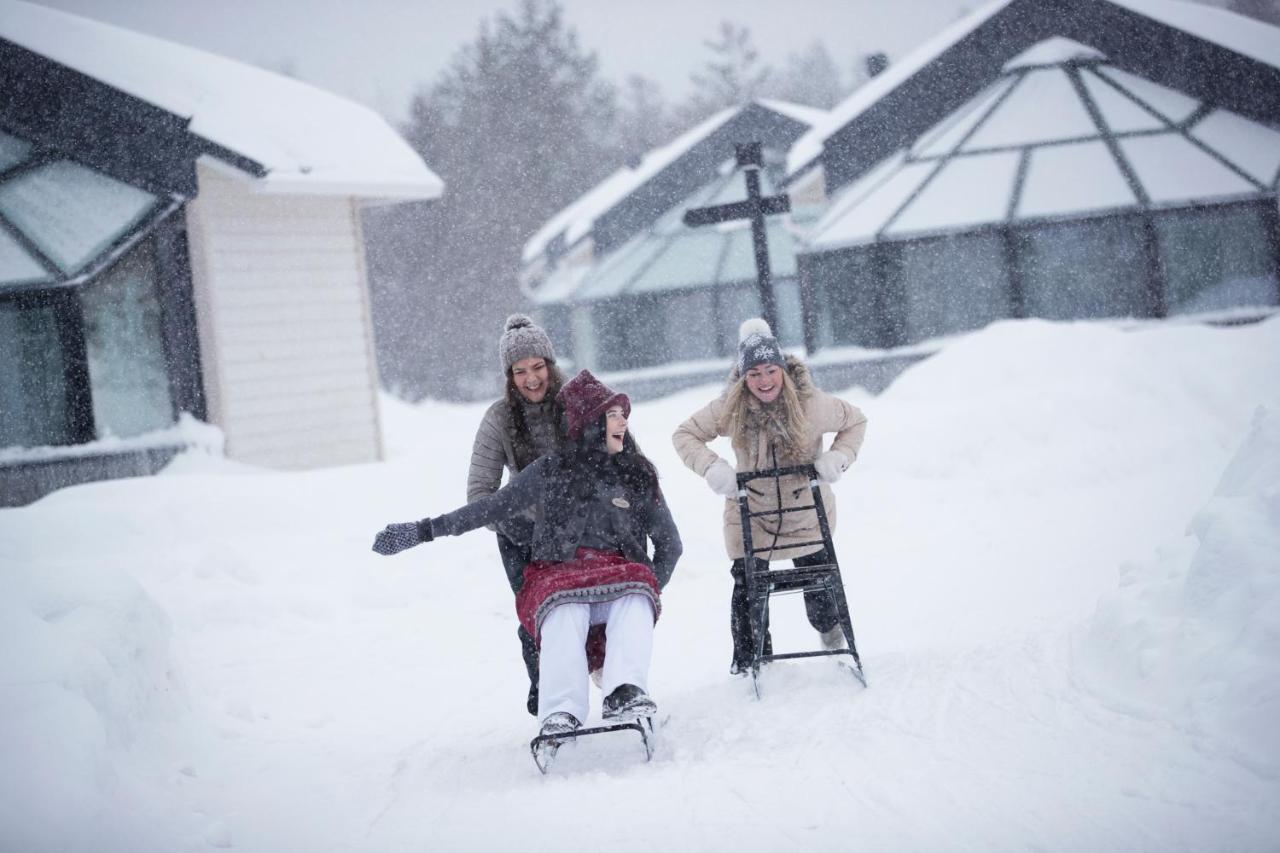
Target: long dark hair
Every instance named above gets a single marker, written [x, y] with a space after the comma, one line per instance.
[585, 459]
[517, 429]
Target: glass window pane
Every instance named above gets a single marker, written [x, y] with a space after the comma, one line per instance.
[689, 316]
[33, 385]
[1172, 104]
[953, 284]
[16, 264]
[1077, 178]
[858, 215]
[1122, 114]
[1252, 147]
[12, 150]
[1217, 258]
[790, 313]
[72, 213]
[628, 332]
[127, 375]
[1076, 270]
[736, 304]
[1171, 169]
[966, 192]
[614, 273]
[848, 309]
[1044, 107]
[689, 260]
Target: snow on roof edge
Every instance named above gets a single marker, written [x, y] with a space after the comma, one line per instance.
[577, 219]
[295, 131]
[808, 147]
[1255, 39]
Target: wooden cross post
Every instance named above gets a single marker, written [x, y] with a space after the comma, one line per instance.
[756, 209]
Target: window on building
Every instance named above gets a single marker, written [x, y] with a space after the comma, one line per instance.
[1217, 258]
[82, 350]
[128, 380]
[1073, 270]
[33, 375]
[953, 284]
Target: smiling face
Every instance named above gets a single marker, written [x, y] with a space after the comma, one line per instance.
[530, 376]
[765, 382]
[615, 429]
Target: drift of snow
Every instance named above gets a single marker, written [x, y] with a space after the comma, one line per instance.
[1059, 549]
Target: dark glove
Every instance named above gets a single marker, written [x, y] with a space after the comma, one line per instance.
[395, 538]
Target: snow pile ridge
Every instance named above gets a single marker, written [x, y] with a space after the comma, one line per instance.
[1192, 635]
[85, 674]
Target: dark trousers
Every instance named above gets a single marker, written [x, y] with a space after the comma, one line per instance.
[514, 559]
[818, 606]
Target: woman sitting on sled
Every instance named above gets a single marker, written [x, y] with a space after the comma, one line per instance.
[597, 506]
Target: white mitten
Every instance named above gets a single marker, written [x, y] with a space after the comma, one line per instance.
[830, 465]
[722, 479]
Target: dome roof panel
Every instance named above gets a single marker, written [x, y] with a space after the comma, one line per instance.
[1122, 114]
[965, 193]
[1253, 147]
[1043, 107]
[1073, 178]
[1173, 170]
[1172, 104]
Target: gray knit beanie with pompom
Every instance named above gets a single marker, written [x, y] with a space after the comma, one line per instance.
[523, 339]
[757, 345]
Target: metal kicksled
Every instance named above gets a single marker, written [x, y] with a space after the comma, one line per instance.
[763, 582]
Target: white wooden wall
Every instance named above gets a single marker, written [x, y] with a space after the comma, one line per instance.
[286, 339]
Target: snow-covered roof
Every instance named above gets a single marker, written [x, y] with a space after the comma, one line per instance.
[307, 140]
[1248, 37]
[809, 146]
[1030, 147]
[576, 220]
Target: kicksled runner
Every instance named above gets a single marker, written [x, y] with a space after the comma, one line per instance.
[544, 747]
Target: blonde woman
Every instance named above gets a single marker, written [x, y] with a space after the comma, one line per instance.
[775, 417]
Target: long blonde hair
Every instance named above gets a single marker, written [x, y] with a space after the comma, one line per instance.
[745, 413]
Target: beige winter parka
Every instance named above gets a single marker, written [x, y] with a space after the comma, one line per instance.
[825, 414]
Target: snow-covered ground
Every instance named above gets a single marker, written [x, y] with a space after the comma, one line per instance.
[1061, 547]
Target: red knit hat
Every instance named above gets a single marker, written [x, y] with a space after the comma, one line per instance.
[585, 398]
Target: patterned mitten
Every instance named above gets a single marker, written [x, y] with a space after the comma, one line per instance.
[395, 538]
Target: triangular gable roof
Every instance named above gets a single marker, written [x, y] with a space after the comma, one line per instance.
[292, 136]
[634, 197]
[1211, 54]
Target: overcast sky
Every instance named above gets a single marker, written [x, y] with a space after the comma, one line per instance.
[379, 51]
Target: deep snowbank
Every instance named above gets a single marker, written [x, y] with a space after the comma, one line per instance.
[1191, 636]
[86, 674]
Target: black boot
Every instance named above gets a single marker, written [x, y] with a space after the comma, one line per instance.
[740, 623]
[628, 702]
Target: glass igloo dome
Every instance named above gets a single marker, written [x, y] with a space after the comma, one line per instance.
[1067, 188]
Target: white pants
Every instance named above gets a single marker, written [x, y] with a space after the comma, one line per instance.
[563, 681]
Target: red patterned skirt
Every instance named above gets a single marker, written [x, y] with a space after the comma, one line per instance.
[591, 576]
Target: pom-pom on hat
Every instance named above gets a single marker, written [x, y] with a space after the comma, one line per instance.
[523, 338]
[585, 398]
[757, 346]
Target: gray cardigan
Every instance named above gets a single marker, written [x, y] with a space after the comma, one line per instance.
[561, 517]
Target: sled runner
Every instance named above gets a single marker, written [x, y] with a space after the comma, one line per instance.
[763, 582]
[545, 747]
